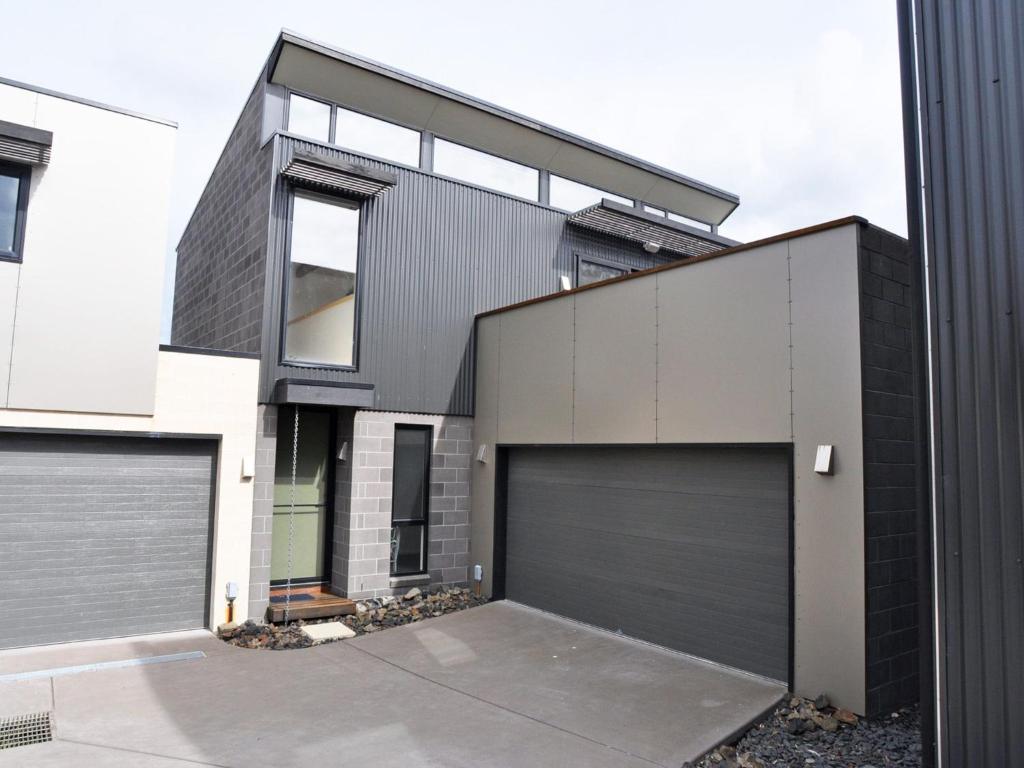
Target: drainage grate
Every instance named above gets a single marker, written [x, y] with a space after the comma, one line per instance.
[22, 730]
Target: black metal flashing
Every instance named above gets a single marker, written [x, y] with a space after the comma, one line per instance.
[186, 350]
[355, 395]
[638, 226]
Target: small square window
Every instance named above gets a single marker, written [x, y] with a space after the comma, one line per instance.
[14, 184]
[308, 117]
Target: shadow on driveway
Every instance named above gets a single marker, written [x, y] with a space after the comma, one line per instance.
[499, 685]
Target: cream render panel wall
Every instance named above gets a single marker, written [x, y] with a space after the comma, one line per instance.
[759, 346]
[82, 333]
[203, 395]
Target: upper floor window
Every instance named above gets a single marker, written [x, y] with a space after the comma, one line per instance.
[371, 136]
[573, 196]
[689, 222]
[589, 270]
[487, 170]
[308, 117]
[14, 182]
[320, 313]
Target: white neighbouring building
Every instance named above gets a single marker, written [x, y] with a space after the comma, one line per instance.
[119, 460]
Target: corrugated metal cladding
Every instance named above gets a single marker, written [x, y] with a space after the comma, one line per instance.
[433, 253]
[970, 60]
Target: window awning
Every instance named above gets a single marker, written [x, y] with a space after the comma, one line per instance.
[638, 226]
[329, 174]
[22, 144]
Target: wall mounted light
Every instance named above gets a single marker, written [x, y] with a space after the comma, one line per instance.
[652, 247]
[481, 453]
[343, 452]
[248, 467]
[824, 459]
[565, 282]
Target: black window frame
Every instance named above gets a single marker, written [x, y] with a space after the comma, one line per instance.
[423, 522]
[24, 174]
[625, 269]
[330, 199]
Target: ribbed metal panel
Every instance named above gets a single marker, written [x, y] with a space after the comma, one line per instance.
[433, 253]
[970, 68]
[348, 180]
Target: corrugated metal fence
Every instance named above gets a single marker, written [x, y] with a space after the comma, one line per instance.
[970, 78]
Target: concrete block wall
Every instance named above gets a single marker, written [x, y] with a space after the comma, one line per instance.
[362, 553]
[890, 472]
[262, 511]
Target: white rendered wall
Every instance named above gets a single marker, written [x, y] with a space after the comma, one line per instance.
[80, 316]
[203, 395]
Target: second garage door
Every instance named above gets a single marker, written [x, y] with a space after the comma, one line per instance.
[102, 536]
[688, 548]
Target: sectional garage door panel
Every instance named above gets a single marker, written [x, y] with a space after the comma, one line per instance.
[684, 547]
[102, 536]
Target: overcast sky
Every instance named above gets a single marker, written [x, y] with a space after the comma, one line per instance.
[792, 104]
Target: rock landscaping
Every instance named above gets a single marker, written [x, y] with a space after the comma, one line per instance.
[383, 612]
[812, 733]
[371, 615]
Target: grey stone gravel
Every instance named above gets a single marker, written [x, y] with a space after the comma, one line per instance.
[798, 733]
[373, 615]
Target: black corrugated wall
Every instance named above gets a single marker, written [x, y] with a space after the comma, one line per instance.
[969, 127]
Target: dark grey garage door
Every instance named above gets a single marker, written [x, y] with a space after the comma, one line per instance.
[102, 536]
[684, 547]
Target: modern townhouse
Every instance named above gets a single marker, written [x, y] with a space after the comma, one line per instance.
[355, 223]
[419, 339]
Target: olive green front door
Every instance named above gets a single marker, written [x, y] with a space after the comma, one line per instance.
[301, 512]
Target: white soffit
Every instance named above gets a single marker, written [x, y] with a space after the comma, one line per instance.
[303, 65]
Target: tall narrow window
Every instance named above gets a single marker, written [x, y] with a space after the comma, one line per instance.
[321, 310]
[308, 117]
[410, 496]
[14, 180]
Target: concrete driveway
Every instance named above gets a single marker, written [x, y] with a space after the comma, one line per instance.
[500, 685]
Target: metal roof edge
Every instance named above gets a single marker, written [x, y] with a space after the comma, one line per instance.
[86, 102]
[296, 38]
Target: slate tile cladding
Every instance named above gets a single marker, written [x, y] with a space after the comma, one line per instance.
[262, 511]
[218, 294]
[362, 552]
[890, 471]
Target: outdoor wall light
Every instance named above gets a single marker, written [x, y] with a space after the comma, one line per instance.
[824, 459]
[481, 453]
[565, 282]
[652, 247]
[343, 452]
[248, 467]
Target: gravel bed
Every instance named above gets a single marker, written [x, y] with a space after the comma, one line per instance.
[805, 733]
[372, 615]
